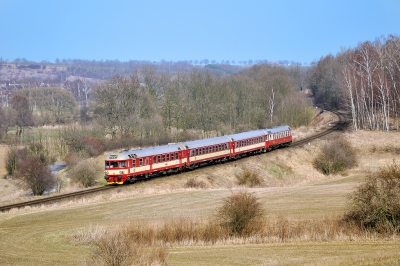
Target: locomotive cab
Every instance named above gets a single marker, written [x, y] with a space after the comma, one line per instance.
[116, 171]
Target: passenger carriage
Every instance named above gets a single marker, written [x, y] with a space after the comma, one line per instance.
[208, 150]
[280, 136]
[131, 165]
[249, 142]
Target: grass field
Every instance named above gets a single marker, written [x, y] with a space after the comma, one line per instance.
[44, 235]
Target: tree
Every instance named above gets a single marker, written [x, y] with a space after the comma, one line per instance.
[51, 104]
[36, 175]
[23, 117]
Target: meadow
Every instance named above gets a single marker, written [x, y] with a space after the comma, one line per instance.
[299, 201]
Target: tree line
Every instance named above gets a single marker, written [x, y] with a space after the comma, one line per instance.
[258, 97]
[364, 80]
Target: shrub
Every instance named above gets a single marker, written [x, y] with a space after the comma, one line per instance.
[113, 249]
[335, 157]
[84, 141]
[39, 151]
[10, 160]
[119, 248]
[36, 175]
[193, 183]
[249, 178]
[85, 172]
[72, 159]
[376, 203]
[16, 155]
[242, 214]
[92, 146]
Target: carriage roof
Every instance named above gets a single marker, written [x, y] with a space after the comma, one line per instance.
[249, 134]
[126, 154]
[206, 142]
[277, 129]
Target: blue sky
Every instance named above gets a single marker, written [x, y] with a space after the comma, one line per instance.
[295, 30]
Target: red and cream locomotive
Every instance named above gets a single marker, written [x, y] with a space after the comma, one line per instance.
[131, 165]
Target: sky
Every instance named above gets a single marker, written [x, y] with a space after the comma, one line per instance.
[302, 31]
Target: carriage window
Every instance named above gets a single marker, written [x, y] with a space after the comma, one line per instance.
[122, 164]
[141, 161]
[163, 158]
[133, 163]
[176, 155]
[158, 158]
[167, 157]
[172, 156]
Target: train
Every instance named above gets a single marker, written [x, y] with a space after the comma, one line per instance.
[128, 166]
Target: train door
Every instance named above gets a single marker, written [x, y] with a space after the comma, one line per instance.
[151, 163]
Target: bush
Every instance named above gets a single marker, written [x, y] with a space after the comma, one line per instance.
[193, 183]
[36, 175]
[119, 248]
[10, 160]
[113, 249]
[249, 178]
[242, 214]
[376, 203]
[335, 157]
[16, 155]
[85, 172]
[72, 159]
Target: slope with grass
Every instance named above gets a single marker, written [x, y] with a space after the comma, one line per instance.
[293, 193]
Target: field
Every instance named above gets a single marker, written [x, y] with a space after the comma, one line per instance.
[293, 191]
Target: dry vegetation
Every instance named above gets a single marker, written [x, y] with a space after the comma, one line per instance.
[173, 220]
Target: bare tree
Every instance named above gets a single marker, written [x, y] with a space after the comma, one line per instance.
[23, 116]
[36, 175]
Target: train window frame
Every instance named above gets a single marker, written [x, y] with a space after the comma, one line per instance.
[140, 161]
[122, 164]
[172, 156]
[162, 157]
[167, 157]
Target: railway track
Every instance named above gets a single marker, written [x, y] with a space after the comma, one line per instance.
[334, 126]
[51, 199]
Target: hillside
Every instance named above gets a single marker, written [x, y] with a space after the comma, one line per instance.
[293, 192]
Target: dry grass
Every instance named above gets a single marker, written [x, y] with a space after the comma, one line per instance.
[303, 208]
